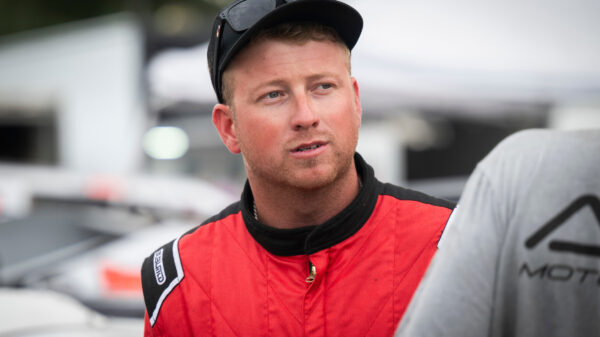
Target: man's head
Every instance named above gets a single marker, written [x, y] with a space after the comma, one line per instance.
[297, 108]
[236, 24]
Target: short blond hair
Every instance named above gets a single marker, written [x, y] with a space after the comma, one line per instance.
[295, 32]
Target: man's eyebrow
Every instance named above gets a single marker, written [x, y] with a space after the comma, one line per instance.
[276, 82]
[321, 75]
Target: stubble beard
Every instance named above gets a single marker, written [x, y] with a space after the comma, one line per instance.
[299, 177]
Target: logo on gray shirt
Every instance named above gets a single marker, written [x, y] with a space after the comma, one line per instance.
[561, 218]
[563, 271]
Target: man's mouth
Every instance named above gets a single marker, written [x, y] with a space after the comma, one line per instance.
[308, 147]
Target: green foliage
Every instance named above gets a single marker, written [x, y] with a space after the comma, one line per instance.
[21, 15]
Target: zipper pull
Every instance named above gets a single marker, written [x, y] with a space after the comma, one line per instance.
[313, 273]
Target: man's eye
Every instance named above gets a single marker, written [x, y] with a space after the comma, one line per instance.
[273, 94]
[324, 87]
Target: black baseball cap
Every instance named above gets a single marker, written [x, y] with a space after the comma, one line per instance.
[236, 23]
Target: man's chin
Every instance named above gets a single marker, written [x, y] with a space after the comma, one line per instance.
[311, 185]
[314, 180]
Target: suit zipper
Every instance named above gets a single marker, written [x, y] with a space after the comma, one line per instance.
[312, 272]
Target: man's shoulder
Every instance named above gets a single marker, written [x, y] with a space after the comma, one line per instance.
[163, 270]
[232, 209]
[212, 223]
[524, 143]
[405, 194]
[173, 250]
[529, 144]
[415, 205]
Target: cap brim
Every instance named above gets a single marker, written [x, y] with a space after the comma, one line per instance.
[344, 19]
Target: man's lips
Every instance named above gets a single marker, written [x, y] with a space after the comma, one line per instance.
[304, 147]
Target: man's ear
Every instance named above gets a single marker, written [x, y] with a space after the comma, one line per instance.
[222, 117]
[356, 97]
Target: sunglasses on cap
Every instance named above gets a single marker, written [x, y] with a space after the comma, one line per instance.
[242, 14]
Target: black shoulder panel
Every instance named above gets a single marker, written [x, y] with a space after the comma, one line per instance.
[161, 272]
[407, 194]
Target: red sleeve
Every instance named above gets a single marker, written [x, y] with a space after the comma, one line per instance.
[147, 328]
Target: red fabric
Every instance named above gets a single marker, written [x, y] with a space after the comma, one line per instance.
[234, 287]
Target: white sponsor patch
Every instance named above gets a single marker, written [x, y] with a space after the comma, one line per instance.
[160, 275]
[159, 269]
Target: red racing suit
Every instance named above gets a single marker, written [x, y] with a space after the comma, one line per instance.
[353, 275]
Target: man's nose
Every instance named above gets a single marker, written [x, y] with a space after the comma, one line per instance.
[305, 116]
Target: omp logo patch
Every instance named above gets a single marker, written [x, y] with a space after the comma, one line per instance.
[159, 269]
[567, 246]
[161, 273]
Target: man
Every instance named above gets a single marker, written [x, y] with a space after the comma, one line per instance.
[316, 246]
[522, 255]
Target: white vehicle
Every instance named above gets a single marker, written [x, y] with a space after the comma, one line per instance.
[87, 236]
[43, 313]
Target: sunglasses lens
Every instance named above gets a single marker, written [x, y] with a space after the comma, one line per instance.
[245, 13]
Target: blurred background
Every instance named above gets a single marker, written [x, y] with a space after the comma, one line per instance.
[107, 149]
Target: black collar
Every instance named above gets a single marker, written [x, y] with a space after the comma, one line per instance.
[311, 239]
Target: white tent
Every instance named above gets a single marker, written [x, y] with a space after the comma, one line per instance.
[87, 73]
[424, 52]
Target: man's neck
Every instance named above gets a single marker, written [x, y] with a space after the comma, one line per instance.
[286, 207]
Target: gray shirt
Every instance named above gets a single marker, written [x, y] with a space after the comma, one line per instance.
[521, 256]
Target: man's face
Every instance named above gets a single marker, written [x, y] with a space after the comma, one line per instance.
[296, 112]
